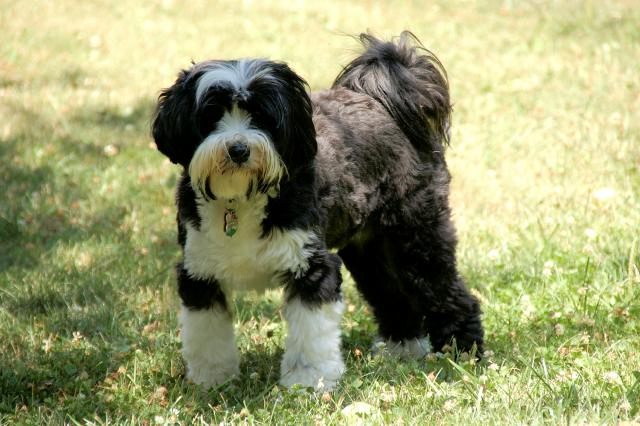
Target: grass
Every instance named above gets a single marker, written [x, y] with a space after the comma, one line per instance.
[545, 159]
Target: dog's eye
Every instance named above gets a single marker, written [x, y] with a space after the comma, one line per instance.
[261, 119]
[257, 116]
[208, 118]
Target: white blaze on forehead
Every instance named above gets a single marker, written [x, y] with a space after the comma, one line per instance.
[239, 74]
[235, 121]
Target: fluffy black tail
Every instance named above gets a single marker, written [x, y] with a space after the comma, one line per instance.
[410, 82]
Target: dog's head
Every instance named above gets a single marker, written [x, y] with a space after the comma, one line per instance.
[236, 126]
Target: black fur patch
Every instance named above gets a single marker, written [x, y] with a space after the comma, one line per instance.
[198, 294]
[174, 126]
[281, 105]
[320, 283]
[187, 207]
[296, 205]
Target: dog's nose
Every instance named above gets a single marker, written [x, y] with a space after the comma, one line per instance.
[239, 152]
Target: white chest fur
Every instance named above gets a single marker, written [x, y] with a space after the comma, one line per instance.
[244, 261]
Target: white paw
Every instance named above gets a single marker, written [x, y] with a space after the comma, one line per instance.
[405, 349]
[312, 357]
[320, 379]
[210, 374]
[208, 346]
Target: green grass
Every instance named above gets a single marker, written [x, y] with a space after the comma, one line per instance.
[545, 158]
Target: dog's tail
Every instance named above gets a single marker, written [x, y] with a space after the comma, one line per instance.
[411, 84]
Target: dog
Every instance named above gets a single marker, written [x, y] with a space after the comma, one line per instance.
[279, 188]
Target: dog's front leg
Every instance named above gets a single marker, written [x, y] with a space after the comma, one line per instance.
[208, 344]
[313, 310]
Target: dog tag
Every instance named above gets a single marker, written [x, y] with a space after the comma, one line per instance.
[230, 221]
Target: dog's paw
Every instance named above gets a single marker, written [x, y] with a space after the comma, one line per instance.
[404, 349]
[211, 374]
[320, 379]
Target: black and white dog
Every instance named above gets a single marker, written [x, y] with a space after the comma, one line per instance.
[273, 179]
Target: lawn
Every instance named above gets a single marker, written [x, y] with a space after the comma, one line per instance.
[545, 158]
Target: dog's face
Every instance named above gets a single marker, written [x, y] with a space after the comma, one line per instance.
[236, 126]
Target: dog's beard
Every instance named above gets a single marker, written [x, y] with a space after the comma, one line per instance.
[215, 175]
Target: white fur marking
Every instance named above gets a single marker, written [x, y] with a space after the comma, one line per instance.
[405, 349]
[208, 346]
[312, 357]
[239, 75]
[245, 261]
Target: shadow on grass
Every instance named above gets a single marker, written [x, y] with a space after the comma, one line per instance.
[259, 373]
[57, 378]
[18, 183]
[40, 205]
[43, 185]
[55, 368]
[134, 117]
[30, 222]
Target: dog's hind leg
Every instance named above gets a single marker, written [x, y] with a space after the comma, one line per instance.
[398, 313]
[424, 259]
[208, 343]
[410, 281]
[455, 319]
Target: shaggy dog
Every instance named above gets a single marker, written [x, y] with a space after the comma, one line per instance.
[274, 178]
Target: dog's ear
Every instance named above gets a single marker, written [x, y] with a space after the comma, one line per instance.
[301, 131]
[296, 134]
[173, 126]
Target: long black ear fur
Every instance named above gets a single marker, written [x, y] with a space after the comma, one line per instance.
[410, 82]
[296, 135]
[173, 128]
